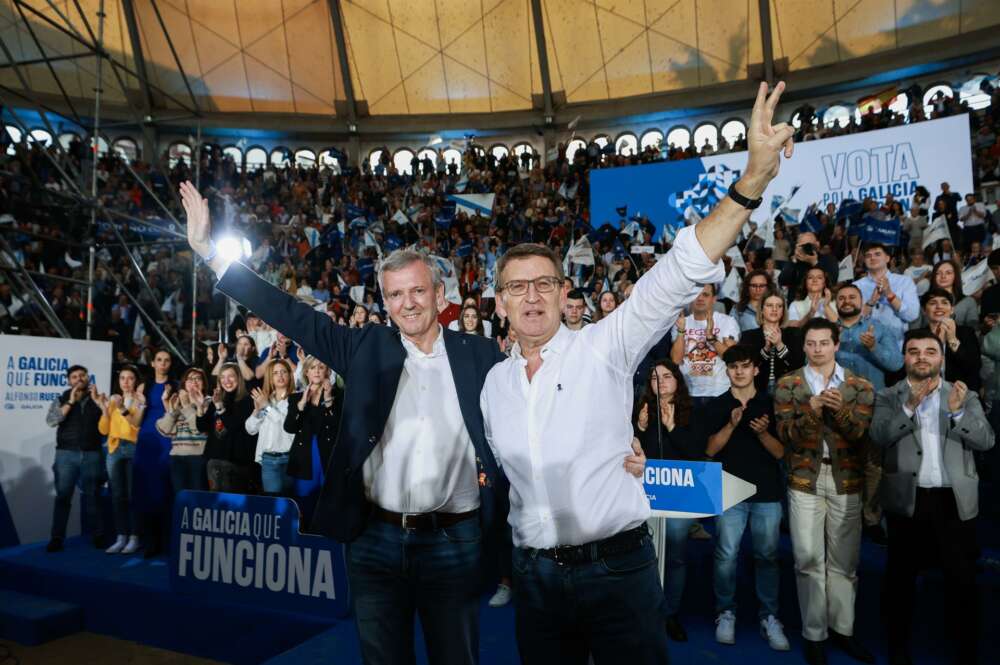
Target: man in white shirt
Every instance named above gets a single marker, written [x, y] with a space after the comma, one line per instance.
[928, 431]
[700, 339]
[888, 297]
[575, 308]
[973, 218]
[558, 417]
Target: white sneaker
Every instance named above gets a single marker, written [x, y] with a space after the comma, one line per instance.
[133, 545]
[117, 546]
[772, 630]
[725, 628]
[501, 597]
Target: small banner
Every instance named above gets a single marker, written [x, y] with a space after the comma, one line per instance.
[248, 550]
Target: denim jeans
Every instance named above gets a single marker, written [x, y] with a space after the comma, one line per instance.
[187, 472]
[397, 573]
[676, 529]
[272, 473]
[765, 521]
[120, 478]
[610, 610]
[69, 468]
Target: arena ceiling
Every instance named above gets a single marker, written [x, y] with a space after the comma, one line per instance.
[426, 58]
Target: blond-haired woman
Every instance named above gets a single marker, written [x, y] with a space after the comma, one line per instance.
[312, 420]
[267, 422]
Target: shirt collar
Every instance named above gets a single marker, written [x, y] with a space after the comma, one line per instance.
[813, 375]
[413, 351]
[556, 344]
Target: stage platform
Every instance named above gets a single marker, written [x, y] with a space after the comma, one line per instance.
[128, 597]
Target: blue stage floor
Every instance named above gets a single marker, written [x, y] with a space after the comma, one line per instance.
[128, 597]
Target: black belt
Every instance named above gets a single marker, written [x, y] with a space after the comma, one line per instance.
[826, 460]
[421, 521]
[620, 543]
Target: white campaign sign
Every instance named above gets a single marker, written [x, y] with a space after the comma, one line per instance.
[34, 373]
[886, 161]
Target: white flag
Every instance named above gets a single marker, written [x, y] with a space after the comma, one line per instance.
[400, 217]
[312, 235]
[357, 294]
[581, 253]
[642, 249]
[975, 277]
[737, 257]
[938, 230]
[71, 262]
[731, 287]
[846, 273]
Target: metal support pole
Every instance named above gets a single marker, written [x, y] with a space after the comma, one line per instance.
[197, 157]
[766, 43]
[31, 288]
[93, 171]
[194, 306]
[156, 328]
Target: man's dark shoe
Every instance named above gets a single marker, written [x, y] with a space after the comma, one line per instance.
[815, 652]
[876, 534]
[675, 631]
[849, 645]
[55, 545]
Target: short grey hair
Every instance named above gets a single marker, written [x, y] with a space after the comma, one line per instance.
[402, 258]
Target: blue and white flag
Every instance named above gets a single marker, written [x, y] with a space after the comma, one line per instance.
[472, 204]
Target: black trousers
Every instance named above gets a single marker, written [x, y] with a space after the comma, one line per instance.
[933, 537]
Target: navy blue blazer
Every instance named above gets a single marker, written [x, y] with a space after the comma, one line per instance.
[370, 359]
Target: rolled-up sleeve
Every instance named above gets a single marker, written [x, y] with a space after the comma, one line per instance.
[55, 414]
[656, 301]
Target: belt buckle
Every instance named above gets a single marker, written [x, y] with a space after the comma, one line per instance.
[405, 519]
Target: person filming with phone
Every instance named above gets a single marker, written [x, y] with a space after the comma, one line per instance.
[806, 257]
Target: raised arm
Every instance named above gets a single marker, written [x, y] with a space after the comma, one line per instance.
[319, 335]
[661, 294]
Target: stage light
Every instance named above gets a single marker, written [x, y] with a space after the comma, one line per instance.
[233, 248]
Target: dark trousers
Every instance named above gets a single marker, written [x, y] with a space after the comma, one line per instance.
[397, 573]
[934, 536]
[609, 610]
[187, 472]
[225, 476]
[72, 467]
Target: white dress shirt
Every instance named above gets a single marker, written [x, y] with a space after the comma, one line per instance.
[817, 383]
[932, 472]
[562, 438]
[425, 461]
[269, 426]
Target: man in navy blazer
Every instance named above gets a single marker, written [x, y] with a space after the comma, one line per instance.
[412, 485]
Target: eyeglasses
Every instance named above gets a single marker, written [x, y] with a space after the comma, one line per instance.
[519, 287]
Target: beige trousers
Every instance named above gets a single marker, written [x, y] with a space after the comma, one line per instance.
[826, 541]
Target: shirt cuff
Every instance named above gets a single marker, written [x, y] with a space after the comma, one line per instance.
[908, 411]
[693, 261]
[955, 417]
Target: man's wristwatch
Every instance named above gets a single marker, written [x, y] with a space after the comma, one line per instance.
[749, 204]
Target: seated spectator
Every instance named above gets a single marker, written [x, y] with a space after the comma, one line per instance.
[606, 303]
[918, 271]
[575, 310]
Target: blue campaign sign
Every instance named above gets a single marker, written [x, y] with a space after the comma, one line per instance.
[686, 487]
[248, 549]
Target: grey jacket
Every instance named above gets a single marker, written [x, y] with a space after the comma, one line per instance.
[898, 436]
